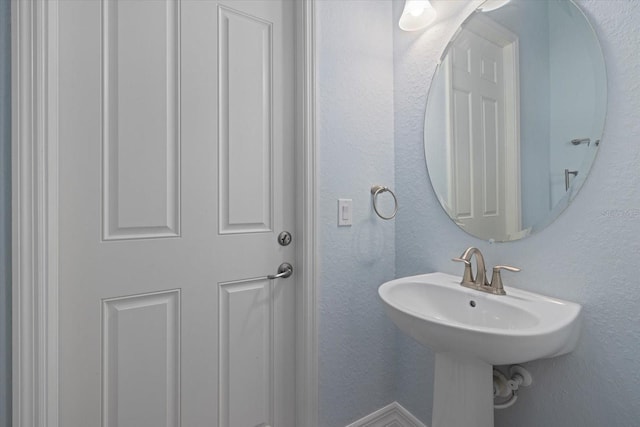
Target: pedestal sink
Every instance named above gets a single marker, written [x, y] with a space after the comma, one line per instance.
[470, 331]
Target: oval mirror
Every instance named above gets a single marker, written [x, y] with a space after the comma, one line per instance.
[515, 116]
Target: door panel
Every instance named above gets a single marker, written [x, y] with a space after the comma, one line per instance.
[176, 175]
[244, 56]
[141, 118]
[462, 155]
[141, 360]
[246, 352]
[492, 195]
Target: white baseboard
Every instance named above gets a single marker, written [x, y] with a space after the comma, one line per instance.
[392, 415]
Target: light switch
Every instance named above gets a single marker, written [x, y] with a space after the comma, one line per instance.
[345, 213]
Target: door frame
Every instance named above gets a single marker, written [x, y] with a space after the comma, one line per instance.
[35, 215]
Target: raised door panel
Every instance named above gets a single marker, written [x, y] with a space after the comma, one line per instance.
[490, 154]
[246, 353]
[141, 360]
[245, 122]
[461, 56]
[462, 170]
[141, 118]
[489, 70]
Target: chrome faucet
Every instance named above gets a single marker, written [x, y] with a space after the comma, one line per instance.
[480, 282]
[481, 272]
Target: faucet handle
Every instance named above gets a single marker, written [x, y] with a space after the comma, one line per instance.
[468, 275]
[496, 279]
[506, 267]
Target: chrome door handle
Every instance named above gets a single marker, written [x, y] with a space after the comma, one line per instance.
[285, 270]
[567, 172]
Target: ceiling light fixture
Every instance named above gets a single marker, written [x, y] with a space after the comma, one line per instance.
[417, 14]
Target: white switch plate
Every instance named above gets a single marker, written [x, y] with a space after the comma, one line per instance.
[345, 212]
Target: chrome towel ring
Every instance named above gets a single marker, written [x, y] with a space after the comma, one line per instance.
[378, 189]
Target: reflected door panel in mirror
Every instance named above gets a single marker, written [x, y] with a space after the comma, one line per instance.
[514, 88]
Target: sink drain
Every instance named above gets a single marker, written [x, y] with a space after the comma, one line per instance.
[472, 303]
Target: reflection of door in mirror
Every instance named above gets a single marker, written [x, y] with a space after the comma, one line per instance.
[483, 129]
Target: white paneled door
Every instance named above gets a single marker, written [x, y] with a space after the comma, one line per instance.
[175, 131]
[483, 107]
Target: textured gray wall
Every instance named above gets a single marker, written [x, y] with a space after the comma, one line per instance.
[588, 255]
[355, 147]
[5, 213]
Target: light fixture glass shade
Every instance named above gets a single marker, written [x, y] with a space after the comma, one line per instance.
[490, 5]
[417, 14]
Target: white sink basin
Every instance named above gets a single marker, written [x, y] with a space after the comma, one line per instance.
[470, 331]
[498, 329]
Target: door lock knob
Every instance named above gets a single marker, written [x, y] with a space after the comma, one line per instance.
[284, 238]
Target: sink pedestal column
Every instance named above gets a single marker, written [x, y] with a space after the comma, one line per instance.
[462, 392]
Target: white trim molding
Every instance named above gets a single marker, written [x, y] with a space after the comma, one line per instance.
[35, 216]
[35, 220]
[306, 228]
[392, 415]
